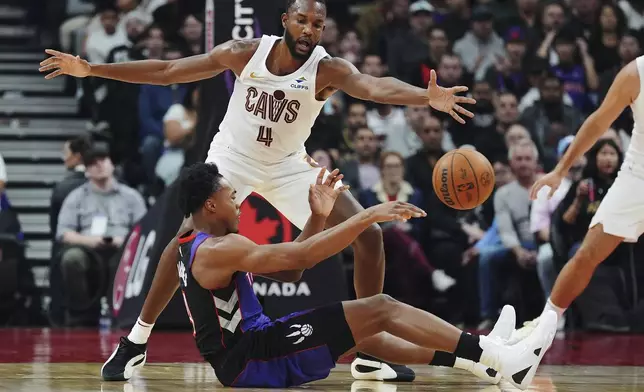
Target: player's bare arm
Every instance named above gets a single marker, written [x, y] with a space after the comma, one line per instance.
[339, 74]
[623, 91]
[218, 258]
[322, 197]
[231, 55]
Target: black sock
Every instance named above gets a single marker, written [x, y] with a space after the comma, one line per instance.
[441, 358]
[468, 347]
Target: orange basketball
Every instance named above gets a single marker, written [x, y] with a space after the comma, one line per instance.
[463, 179]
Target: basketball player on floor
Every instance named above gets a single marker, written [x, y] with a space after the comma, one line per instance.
[281, 85]
[247, 349]
[620, 216]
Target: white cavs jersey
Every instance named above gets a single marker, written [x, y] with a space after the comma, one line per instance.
[269, 117]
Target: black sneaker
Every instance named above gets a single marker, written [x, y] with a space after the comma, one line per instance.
[125, 359]
[366, 367]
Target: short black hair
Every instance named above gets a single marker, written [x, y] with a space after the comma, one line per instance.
[290, 3]
[93, 154]
[79, 144]
[196, 184]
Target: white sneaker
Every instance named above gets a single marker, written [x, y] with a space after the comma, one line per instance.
[504, 326]
[501, 333]
[518, 364]
[368, 368]
[523, 332]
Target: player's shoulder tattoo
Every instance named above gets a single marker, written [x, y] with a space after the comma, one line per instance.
[244, 45]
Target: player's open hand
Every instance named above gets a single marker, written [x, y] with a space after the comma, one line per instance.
[323, 194]
[446, 100]
[394, 211]
[552, 180]
[64, 64]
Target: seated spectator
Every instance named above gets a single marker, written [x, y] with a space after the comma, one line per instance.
[179, 128]
[578, 78]
[516, 134]
[154, 102]
[94, 220]
[508, 72]
[550, 109]
[73, 152]
[540, 219]
[418, 73]
[604, 41]
[537, 72]
[361, 171]
[392, 187]
[192, 33]
[490, 140]
[512, 215]
[356, 118]
[351, 47]
[583, 198]
[330, 39]
[401, 237]
[101, 41]
[601, 305]
[480, 46]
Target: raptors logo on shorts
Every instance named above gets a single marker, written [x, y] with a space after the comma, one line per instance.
[302, 331]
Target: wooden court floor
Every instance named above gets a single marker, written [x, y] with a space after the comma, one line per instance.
[193, 377]
[49, 360]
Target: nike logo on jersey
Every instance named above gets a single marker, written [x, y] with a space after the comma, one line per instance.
[253, 75]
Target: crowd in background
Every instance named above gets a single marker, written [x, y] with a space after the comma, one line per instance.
[537, 69]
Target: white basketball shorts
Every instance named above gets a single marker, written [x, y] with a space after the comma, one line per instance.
[284, 184]
[621, 212]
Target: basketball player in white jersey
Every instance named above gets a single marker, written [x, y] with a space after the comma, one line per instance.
[281, 85]
[620, 216]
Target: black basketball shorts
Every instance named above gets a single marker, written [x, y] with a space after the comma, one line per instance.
[293, 350]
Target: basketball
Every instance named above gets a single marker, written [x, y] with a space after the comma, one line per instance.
[463, 179]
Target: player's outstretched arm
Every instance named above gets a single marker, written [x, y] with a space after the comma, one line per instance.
[340, 74]
[158, 72]
[623, 91]
[237, 253]
[322, 197]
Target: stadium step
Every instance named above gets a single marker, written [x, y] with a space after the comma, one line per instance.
[36, 117]
[25, 128]
[21, 106]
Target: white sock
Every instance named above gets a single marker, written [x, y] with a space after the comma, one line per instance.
[140, 332]
[554, 308]
[463, 364]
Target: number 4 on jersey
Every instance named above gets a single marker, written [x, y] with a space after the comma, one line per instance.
[265, 136]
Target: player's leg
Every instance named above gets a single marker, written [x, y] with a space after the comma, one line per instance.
[576, 274]
[371, 316]
[130, 354]
[305, 347]
[620, 217]
[368, 249]
[393, 349]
